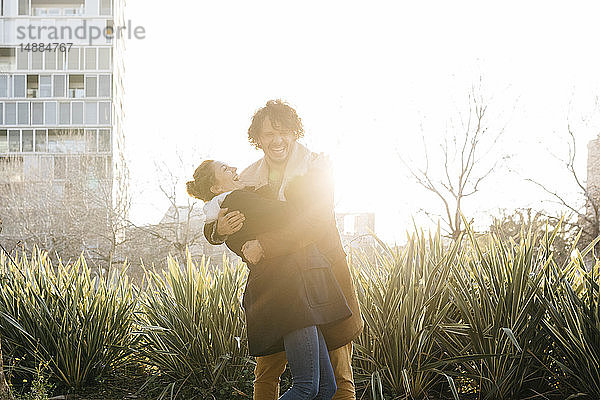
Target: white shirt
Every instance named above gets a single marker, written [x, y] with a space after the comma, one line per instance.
[212, 207]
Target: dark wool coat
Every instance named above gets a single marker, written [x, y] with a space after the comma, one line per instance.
[303, 278]
[287, 292]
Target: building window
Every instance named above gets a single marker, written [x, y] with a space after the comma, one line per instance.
[46, 166]
[14, 141]
[76, 87]
[55, 141]
[50, 112]
[32, 86]
[27, 138]
[73, 166]
[60, 60]
[66, 141]
[105, 7]
[1, 113]
[60, 167]
[90, 58]
[40, 12]
[43, 168]
[23, 113]
[13, 165]
[104, 58]
[91, 145]
[59, 85]
[104, 140]
[41, 144]
[3, 85]
[3, 141]
[76, 141]
[104, 86]
[91, 112]
[31, 170]
[37, 113]
[22, 60]
[45, 86]
[109, 167]
[100, 168]
[73, 62]
[10, 113]
[19, 85]
[68, 8]
[104, 112]
[7, 58]
[77, 113]
[23, 7]
[37, 60]
[91, 83]
[51, 59]
[64, 113]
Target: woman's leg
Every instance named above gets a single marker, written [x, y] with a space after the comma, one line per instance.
[308, 358]
[327, 386]
[302, 352]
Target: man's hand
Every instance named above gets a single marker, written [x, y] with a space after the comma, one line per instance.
[229, 223]
[253, 251]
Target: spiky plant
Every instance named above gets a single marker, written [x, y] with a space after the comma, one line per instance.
[406, 306]
[497, 288]
[192, 324]
[77, 323]
[573, 301]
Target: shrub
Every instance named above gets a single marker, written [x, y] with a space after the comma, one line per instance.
[406, 306]
[77, 324]
[497, 290]
[573, 301]
[192, 324]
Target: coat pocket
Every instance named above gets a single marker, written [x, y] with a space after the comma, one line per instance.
[319, 281]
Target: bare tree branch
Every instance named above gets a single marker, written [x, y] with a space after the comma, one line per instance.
[460, 175]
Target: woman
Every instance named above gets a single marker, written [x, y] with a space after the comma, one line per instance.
[302, 281]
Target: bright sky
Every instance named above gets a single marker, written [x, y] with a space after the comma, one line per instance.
[367, 78]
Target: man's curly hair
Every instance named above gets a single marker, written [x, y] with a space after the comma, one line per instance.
[281, 115]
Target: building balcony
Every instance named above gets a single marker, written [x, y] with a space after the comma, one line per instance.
[58, 12]
[8, 61]
[7, 66]
[76, 93]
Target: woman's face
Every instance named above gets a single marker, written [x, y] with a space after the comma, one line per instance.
[226, 178]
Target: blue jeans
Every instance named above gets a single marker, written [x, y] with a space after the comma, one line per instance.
[308, 359]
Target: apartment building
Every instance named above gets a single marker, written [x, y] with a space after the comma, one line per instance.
[61, 94]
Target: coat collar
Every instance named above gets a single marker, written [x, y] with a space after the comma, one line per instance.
[257, 174]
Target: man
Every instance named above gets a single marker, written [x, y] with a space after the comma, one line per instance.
[275, 130]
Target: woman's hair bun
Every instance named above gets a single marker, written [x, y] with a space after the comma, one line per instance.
[192, 190]
[204, 179]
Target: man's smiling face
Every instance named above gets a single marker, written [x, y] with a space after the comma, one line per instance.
[275, 142]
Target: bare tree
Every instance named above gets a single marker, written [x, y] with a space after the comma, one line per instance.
[84, 209]
[466, 162]
[183, 223]
[181, 228]
[512, 223]
[583, 203]
[85, 212]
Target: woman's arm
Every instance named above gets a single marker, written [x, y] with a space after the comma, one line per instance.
[227, 223]
[259, 214]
